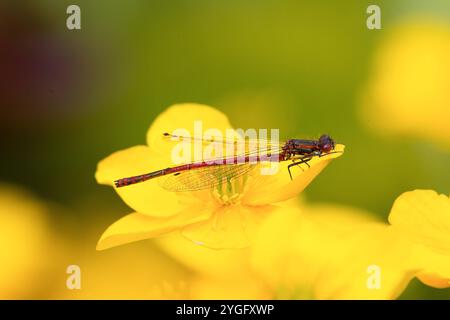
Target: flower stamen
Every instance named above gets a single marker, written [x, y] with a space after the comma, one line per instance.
[230, 191]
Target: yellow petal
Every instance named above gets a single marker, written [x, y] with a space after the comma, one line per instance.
[184, 116]
[221, 274]
[271, 251]
[128, 162]
[135, 227]
[264, 189]
[424, 217]
[341, 217]
[328, 257]
[229, 227]
[371, 264]
[235, 288]
[146, 197]
[434, 267]
[434, 280]
[206, 261]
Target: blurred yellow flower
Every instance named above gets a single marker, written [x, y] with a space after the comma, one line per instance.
[23, 243]
[34, 258]
[213, 218]
[329, 252]
[325, 253]
[217, 274]
[132, 272]
[408, 93]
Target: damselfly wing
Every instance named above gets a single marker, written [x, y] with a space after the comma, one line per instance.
[204, 178]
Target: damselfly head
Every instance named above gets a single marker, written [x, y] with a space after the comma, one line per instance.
[326, 144]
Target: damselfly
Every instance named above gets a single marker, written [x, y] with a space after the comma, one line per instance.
[209, 173]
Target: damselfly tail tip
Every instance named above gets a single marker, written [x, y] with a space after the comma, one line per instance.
[118, 183]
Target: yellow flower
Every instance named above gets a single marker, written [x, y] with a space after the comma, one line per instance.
[329, 252]
[408, 91]
[23, 243]
[217, 218]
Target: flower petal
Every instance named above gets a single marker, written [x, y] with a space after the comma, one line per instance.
[136, 226]
[205, 261]
[184, 116]
[238, 287]
[229, 227]
[328, 254]
[372, 251]
[147, 197]
[265, 189]
[434, 280]
[424, 217]
[434, 267]
[128, 162]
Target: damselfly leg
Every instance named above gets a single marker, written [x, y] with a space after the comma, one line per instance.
[305, 159]
[298, 162]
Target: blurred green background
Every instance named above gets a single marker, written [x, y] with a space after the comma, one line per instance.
[70, 98]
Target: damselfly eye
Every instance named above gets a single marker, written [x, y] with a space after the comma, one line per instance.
[327, 147]
[326, 144]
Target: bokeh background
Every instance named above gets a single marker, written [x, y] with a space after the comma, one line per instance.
[70, 98]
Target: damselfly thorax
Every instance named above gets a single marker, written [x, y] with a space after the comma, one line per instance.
[212, 172]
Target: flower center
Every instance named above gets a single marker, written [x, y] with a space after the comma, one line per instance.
[230, 191]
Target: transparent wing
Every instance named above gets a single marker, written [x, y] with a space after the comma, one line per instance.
[237, 141]
[221, 149]
[203, 178]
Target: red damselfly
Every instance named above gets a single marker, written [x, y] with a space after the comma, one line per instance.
[209, 173]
